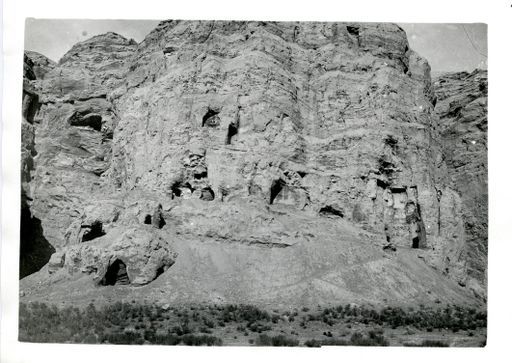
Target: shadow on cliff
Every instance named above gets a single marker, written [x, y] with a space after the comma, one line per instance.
[35, 250]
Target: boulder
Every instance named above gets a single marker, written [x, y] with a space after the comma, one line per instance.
[133, 256]
[56, 261]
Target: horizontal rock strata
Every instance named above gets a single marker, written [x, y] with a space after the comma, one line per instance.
[302, 140]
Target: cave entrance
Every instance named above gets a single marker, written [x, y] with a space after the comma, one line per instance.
[91, 120]
[159, 220]
[180, 189]
[116, 274]
[329, 210]
[207, 194]
[211, 118]
[159, 271]
[147, 219]
[201, 174]
[94, 231]
[232, 131]
[176, 191]
[276, 188]
[415, 242]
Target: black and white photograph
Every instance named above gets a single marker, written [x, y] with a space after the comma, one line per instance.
[295, 183]
[254, 183]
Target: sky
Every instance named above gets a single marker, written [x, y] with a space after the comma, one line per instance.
[447, 47]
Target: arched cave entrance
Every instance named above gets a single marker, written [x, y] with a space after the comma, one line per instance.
[329, 210]
[211, 118]
[207, 194]
[416, 242]
[415, 221]
[116, 274]
[276, 188]
[147, 219]
[84, 118]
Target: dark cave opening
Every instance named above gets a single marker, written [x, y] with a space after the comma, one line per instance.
[161, 222]
[275, 189]
[385, 166]
[94, 231]
[211, 118]
[415, 242]
[91, 120]
[176, 191]
[177, 187]
[148, 219]
[413, 217]
[330, 210]
[207, 194]
[232, 131]
[201, 175]
[382, 184]
[116, 274]
[159, 271]
[354, 30]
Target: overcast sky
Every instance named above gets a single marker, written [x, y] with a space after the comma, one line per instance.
[447, 47]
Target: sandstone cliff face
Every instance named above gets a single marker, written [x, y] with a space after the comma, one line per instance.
[291, 155]
[35, 250]
[462, 108]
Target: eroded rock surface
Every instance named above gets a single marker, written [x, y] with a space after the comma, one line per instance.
[35, 250]
[462, 108]
[229, 141]
[141, 252]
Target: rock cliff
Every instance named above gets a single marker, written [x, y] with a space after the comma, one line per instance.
[462, 108]
[294, 163]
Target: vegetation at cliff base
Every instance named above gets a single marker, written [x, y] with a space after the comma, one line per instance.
[132, 323]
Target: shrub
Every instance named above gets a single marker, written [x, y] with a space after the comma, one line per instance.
[374, 338]
[312, 343]
[210, 324]
[257, 327]
[191, 339]
[276, 341]
[39, 322]
[124, 338]
[333, 342]
[428, 343]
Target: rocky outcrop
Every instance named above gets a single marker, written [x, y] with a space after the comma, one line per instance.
[462, 109]
[233, 134]
[39, 64]
[127, 256]
[35, 250]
